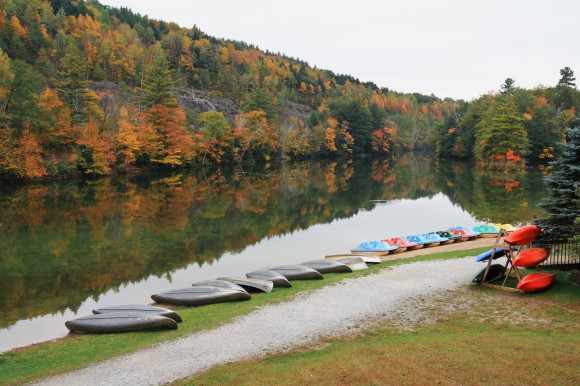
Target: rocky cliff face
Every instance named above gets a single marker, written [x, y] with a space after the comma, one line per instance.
[197, 100]
[193, 99]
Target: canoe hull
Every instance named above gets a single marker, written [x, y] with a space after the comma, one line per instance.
[328, 266]
[536, 281]
[265, 274]
[200, 295]
[531, 257]
[355, 263]
[142, 308]
[114, 322]
[297, 272]
[251, 285]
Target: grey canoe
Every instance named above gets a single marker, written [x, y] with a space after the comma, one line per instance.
[367, 258]
[297, 272]
[356, 263]
[220, 283]
[251, 285]
[120, 322]
[328, 266]
[142, 308]
[199, 295]
[265, 274]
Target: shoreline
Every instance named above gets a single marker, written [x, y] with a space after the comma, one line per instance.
[328, 312]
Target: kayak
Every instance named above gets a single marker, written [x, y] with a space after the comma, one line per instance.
[536, 281]
[495, 272]
[530, 257]
[499, 252]
[523, 236]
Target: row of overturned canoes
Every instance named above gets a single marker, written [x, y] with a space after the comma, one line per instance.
[139, 317]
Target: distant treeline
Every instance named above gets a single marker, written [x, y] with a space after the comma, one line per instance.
[86, 89]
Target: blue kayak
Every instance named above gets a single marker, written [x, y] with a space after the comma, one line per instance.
[486, 255]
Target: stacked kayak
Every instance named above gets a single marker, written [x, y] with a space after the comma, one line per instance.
[517, 257]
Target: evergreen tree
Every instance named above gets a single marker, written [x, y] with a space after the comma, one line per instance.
[507, 86]
[501, 130]
[158, 85]
[566, 93]
[562, 206]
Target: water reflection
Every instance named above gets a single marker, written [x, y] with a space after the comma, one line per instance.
[69, 247]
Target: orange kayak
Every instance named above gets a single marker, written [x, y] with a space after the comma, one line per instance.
[523, 236]
[536, 281]
[530, 257]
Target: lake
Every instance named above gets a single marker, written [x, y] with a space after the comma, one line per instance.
[69, 247]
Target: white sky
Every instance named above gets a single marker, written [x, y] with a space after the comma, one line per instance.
[451, 48]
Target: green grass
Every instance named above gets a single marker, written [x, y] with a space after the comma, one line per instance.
[78, 350]
[492, 337]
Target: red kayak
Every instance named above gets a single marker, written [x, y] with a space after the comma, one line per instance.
[530, 257]
[536, 281]
[523, 236]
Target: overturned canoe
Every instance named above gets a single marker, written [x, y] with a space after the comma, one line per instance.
[530, 257]
[354, 262]
[328, 266]
[125, 321]
[219, 283]
[265, 274]
[536, 281]
[495, 272]
[367, 258]
[251, 285]
[499, 252]
[142, 308]
[199, 295]
[297, 272]
[523, 236]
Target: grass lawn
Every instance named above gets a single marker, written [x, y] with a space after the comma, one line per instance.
[474, 335]
[78, 350]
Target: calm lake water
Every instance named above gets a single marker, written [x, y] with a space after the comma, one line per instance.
[67, 248]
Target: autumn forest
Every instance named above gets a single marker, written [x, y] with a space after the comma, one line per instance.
[88, 90]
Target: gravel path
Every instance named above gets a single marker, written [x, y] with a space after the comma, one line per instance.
[330, 311]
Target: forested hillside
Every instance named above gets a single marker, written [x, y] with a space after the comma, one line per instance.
[504, 130]
[90, 90]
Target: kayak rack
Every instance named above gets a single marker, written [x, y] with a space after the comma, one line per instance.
[509, 253]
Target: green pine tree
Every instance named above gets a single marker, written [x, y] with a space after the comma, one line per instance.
[563, 207]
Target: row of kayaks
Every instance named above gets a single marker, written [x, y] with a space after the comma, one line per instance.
[140, 317]
[432, 239]
[525, 258]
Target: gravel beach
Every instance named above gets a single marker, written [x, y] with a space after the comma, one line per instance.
[327, 312]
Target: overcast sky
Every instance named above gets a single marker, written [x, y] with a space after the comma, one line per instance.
[451, 48]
